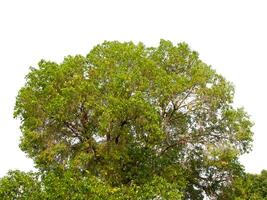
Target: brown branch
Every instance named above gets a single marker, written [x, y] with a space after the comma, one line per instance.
[182, 141]
[73, 130]
[186, 96]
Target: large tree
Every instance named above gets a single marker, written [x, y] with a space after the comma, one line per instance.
[128, 114]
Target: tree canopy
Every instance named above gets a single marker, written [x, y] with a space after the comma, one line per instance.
[143, 118]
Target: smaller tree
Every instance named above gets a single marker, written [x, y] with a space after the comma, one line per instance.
[247, 187]
[20, 185]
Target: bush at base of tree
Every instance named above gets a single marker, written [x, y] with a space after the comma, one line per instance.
[74, 186]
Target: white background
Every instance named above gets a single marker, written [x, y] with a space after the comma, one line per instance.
[230, 35]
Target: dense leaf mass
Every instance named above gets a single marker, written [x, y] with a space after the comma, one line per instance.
[127, 113]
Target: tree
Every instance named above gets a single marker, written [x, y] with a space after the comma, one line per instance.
[129, 113]
[247, 187]
[20, 185]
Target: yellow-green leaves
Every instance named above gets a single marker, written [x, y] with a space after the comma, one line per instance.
[21, 186]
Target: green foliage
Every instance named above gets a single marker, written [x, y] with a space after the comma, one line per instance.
[130, 115]
[73, 185]
[18, 185]
[247, 187]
